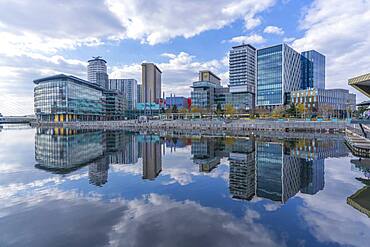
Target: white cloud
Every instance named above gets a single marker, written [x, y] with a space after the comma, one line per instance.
[195, 225]
[339, 30]
[159, 21]
[35, 35]
[46, 26]
[251, 23]
[289, 39]
[273, 30]
[340, 223]
[249, 39]
[18, 72]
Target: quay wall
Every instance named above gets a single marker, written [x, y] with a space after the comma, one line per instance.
[234, 126]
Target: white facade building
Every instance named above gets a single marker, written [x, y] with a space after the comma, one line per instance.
[97, 72]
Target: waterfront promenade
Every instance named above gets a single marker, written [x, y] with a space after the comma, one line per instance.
[189, 126]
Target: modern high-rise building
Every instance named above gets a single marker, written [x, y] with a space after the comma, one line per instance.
[242, 76]
[313, 69]
[139, 100]
[151, 83]
[129, 89]
[278, 73]
[97, 72]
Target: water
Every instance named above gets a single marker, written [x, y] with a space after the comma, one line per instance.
[94, 188]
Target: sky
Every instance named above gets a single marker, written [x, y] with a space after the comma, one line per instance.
[47, 37]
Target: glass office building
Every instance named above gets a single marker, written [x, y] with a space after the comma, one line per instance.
[313, 69]
[115, 105]
[278, 73]
[63, 98]
[339, 101]
[242, 70]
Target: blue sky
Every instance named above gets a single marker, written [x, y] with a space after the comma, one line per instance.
[48, 36]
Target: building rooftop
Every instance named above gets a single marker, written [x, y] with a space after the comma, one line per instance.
[98, 58]
[204, 84]
[243, 45]
[361, 83]
[70, 77]
[143, 64]
[211, 73]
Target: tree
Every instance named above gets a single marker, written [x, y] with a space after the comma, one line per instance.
[229, 109]
[278, 111]
[300, 109]
[292, 110]
[260, 111]
[195, 109]
[183, 110]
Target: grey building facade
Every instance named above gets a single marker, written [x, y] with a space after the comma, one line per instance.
[128, 87]
[242, 76]
[151, 83]
[97, 72]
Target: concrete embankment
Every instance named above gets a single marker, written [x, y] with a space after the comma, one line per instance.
[196, 126]
[359, 145]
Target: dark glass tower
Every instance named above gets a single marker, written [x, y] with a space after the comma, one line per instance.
[313, 69]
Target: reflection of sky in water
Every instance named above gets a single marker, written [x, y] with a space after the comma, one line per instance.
[186, 200]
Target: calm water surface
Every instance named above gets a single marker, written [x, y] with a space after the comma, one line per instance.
[94, 188]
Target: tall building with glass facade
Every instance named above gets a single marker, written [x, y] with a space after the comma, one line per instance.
[242, 76]
[313, 69]
[128, 87]
[63, 98]
[97, 72]
[278, 73]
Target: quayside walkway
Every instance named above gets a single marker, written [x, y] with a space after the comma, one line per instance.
[209, 125]
[359, 145]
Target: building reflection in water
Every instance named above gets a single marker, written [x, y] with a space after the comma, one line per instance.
[242, 169]
[206, 153]
[266, 168]
[151, 150]
[360, 200]
[62, 151]
[277, 170]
